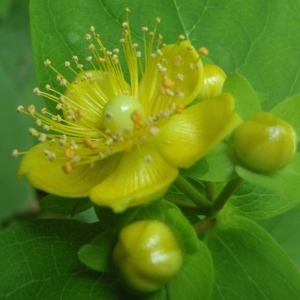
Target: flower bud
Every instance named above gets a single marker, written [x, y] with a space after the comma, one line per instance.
[214, 78]
[147, 255]
[265, 143]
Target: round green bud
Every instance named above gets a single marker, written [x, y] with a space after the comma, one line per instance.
[147, 255]
[122, 114]
[265, 143]
[214, 78]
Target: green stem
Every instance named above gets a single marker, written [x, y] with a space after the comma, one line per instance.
[209, 190]
[185, 206]
[191, 192]
[203, 225]
[226, 193]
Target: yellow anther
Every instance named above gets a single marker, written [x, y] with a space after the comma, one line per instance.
[67, 167]
[78, 114]
[69, 153]
[88, 143]
[180, 108]
[101, 60]
[31, 109]
[203, 51]
[168, 83]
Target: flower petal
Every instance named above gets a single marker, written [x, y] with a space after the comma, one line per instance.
[141, 176]
[49, 176]
[189, 136]
[182, 65]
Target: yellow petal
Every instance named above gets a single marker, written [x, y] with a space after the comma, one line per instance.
[183, 68]
[49, 176]
[141, 176]
[189, 136]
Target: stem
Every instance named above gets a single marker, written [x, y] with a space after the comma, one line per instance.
[185, 187]
[226, 193]
[209, 190]
[203, 225]
[184, 206]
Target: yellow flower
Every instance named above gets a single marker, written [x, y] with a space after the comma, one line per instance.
[121, 142]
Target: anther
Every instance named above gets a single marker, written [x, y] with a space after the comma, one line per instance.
[154, 130]
[180, 108]
[168, 83]
[69, 153]
[92, 47]
[58, 106]
[42, 137]
[75, 159]
[67, 167]
[15, 153]
[180, 76]
[20, 108]
[78, 114]
[203, 51]
[31, 109]
[47, 62]
[73, 145]
[37, 91]
[88, 143]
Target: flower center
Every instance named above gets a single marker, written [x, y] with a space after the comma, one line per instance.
[123, 114]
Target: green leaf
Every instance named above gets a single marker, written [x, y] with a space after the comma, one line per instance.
[16, 81]
[285, 230]
[195, 279]
[257, 203]
[155, 210]
[249, 263]
[39, 261]
[245, 98]
[284, 183]
[218, 165]
[62, 205]
[5, 6]
[98, 254]
[183, 229]
[289, 110]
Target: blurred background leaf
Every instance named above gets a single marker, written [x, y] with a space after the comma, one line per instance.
[17, 78]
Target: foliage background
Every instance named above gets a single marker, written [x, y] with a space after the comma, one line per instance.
[257, 38]
[17, 78]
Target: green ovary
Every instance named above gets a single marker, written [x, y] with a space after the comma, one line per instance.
[122, 113]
